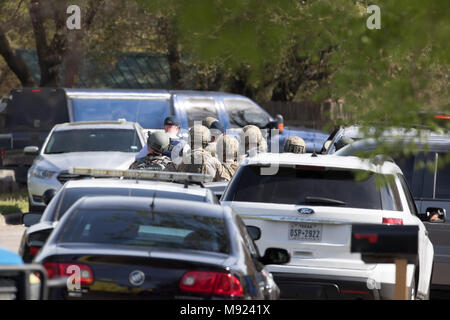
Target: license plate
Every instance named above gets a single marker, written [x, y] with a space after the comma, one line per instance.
[305, 231]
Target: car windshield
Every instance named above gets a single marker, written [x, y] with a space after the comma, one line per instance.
[150, 114]
[146, 229]
[71, 195]
[316, 186]
[242, 112]
[86, 140]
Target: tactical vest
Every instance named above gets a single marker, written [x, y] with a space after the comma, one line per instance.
[198, 159]
[153, 163]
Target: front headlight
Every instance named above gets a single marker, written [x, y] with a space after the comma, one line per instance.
[42, 174]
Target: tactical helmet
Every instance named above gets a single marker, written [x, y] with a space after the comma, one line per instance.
[252, 137]
[295, 145]
[208, 121]
[158, 141]
[199, 134]
[227, 148]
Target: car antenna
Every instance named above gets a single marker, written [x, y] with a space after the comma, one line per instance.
[314, 150]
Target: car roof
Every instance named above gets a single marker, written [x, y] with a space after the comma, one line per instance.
[182, 207]
[135, 184]
[96, 125]
[434, 141]
[130, 93]
[330, 161]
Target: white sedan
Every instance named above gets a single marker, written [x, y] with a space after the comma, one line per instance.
[307, 204]
[107, 145]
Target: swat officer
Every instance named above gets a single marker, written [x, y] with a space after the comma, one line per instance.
[197, 159]
[294, 145]
[157, 144]
[254, 141]
[227, 153]
[216, 129]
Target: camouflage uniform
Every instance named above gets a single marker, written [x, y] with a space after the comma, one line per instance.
[227, 148]
[198, 160]
[201, 161]
[153, 162]
[211, 148]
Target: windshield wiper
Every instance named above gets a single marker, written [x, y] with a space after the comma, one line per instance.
[57, 152]
[321, 200]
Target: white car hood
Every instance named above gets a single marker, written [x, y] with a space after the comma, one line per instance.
[103, 159]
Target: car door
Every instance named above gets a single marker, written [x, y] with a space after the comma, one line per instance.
[436, 194]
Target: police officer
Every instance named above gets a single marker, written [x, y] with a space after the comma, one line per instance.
[176, 143]
[198, 160]
[227, 153]
[294, 145]
[158, 143]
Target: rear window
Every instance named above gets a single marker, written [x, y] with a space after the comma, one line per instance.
[242, 112]
[87, 140]
[71, 195]
[146, 229]
[323, 187]
[36, 109]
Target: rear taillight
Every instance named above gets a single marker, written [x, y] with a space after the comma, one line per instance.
[34, 250]
[217, 283]
[442, 117]
[56, 269]
[393, 221]
[3, 153]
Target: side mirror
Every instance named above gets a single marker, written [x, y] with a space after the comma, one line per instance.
[254, 232]
[434, 215]
[29, 219]
[280, 122]
[276, 256]
[31, 150]
[48, 195]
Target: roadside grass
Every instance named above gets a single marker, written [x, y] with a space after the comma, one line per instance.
[13, 202]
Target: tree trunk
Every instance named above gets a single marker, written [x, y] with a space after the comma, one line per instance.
[15, 62]
[168, 32]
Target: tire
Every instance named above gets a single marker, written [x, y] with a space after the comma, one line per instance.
[36, 209]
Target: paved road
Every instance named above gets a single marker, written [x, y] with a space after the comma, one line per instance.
[10, 235]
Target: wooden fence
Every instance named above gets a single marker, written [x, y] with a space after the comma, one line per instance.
[305, 114]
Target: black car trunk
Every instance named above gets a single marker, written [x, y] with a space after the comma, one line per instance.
[144, 276]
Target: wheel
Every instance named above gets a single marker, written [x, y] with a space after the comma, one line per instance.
[32, 208]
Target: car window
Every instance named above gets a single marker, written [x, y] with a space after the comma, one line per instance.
[409, 196]
[150, 113]
[71, 195]
[146, 229]
[442, 178]
[390, 197]
[243, 112]
[89, 140]
[199, 108]
[303, 185]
